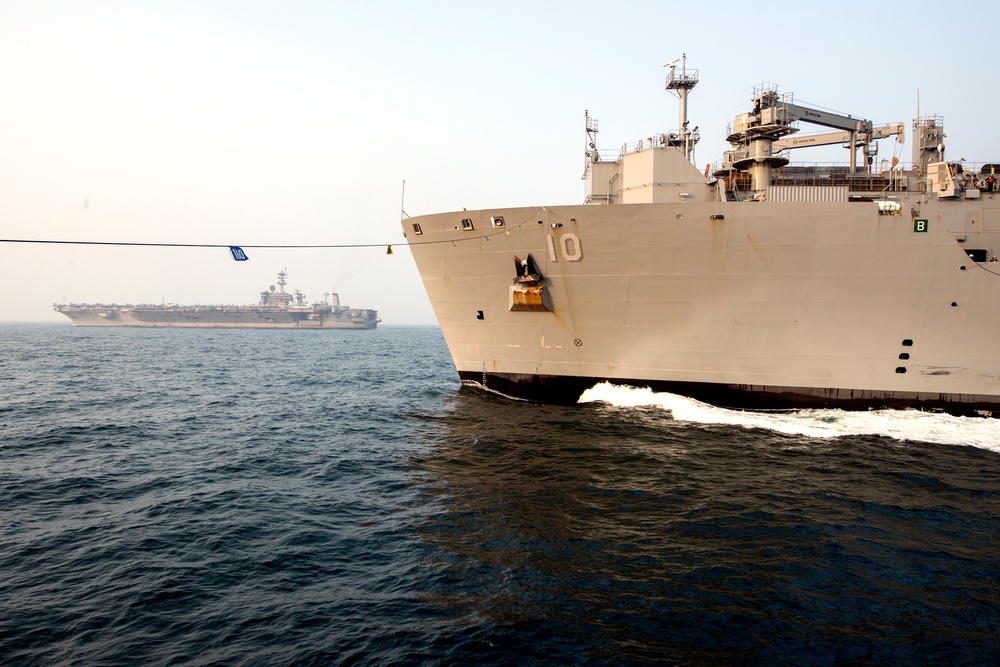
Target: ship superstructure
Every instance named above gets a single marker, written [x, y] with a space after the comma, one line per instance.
[752, 283]
[277, 309]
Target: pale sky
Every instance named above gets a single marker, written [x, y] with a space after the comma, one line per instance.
[269, 122]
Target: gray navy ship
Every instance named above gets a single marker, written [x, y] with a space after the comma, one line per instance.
[277, 309]
[754, 283]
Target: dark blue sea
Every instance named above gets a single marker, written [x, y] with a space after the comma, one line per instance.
[254, 497]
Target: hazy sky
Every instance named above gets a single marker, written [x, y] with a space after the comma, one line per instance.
[297, 122]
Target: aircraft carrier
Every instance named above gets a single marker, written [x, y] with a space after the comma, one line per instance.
[751, 283]
[277, 309]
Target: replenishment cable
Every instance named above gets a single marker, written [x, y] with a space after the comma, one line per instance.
[299, 246]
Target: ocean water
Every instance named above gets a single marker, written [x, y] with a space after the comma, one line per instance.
[228, 497]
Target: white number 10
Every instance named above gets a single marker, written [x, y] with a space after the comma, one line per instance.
[568, 245]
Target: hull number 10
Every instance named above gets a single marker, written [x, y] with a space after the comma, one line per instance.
[566, 247]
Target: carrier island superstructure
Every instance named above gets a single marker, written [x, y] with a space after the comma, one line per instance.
[277, 309]
[753, 283]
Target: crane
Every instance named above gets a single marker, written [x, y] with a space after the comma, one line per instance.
[759, 136]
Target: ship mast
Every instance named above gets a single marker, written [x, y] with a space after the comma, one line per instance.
[680, 85]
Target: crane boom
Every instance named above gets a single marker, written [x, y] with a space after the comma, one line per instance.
[826, 118]
[843, 137]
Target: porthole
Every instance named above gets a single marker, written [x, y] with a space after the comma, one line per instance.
[907, 342]
[904, 355]
[901, 369]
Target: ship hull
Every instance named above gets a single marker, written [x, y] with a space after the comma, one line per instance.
[754, 305]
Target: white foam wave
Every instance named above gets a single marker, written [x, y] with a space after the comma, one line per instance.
[898, 424]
